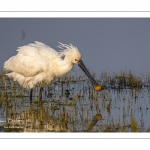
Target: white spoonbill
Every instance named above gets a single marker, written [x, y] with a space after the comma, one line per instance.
[38, 63]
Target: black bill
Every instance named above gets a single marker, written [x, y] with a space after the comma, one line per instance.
[96, 86]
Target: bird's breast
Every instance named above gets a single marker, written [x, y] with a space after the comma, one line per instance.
[63, 69]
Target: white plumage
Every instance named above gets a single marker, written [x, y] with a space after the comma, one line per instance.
[37, 63]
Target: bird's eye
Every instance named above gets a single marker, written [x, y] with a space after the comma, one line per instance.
[76, 60]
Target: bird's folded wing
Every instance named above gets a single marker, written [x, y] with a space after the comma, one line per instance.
[32, 59]
[27, 65]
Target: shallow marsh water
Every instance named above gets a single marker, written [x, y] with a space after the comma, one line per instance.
[69, 104]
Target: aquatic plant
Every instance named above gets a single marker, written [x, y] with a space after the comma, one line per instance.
[69, 104]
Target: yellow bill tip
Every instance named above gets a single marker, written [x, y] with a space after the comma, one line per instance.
[97, 117]
[98, 88]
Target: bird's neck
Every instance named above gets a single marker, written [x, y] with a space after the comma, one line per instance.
[65, 66]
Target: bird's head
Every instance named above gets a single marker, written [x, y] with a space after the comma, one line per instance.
[72, 53]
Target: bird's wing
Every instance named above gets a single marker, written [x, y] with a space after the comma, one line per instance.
[27, 66]
[31, 59]
[38, 48]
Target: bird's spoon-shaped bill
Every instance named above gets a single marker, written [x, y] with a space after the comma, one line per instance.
[96, 86]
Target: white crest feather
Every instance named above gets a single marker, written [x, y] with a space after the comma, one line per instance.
[68, 50]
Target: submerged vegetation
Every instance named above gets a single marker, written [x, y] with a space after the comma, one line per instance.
[69, 104]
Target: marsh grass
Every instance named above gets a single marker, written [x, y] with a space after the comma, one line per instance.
[69, 104]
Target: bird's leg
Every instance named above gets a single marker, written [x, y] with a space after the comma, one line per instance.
[40, 94]
[31, 95]
[40, 104]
